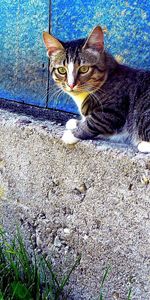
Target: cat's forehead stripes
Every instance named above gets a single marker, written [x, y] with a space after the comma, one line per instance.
[72, 62]
[72, 55]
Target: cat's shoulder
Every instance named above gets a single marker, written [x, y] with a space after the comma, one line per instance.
[133, 70]
[135, 74]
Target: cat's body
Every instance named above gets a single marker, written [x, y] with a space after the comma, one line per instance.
[111, 98]
[120, 105]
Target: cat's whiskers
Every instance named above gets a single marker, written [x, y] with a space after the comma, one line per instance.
[58, 93]
[46, 94]
[53, 91]
[90, 88]
[87, 88]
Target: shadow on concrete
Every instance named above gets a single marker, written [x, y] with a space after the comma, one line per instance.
[36, 112]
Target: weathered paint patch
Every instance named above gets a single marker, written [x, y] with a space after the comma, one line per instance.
[23, 63]
[126, 25]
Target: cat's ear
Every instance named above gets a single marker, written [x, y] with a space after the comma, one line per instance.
[95, 39]
[51, 43]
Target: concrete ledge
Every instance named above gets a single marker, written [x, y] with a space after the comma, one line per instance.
[90, 198]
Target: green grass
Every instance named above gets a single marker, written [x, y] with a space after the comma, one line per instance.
[24, 278]
[129, 294]
[104, 278]
[34, 279]
[101, 297]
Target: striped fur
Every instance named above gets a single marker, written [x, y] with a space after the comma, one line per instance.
[113, 98]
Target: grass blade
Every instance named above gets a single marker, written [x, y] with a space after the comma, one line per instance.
[103, 281]
[129, 294]
[66, 277]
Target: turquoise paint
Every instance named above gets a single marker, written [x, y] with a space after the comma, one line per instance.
[127, 23]
[23, 61]
[23, 64]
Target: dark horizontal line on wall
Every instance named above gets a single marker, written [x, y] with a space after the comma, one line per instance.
[36, 112]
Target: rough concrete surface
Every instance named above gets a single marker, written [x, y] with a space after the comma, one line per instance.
[91, 198]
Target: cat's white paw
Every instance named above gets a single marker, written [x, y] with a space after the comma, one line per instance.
[144, 147]
[71, 124]
[69, 138]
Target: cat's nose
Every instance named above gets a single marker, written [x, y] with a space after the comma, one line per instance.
[71, 85]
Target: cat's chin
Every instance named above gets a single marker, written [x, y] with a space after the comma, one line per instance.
[73, 92]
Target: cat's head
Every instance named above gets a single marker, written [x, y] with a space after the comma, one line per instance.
[77, 66]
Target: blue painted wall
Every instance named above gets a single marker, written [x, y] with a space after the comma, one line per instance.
[23, 62]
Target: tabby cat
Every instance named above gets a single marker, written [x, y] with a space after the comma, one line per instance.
[113, 99]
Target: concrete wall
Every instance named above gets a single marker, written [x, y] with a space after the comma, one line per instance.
[90, 198]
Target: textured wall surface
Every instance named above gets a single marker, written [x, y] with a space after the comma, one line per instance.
[23, 62]
[89, 199]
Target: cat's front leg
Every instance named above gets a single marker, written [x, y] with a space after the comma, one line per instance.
[81, 132]
[72, 124]
[69, 138]
[144, 147]
[76, 130]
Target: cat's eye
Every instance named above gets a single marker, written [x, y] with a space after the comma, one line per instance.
[84, 69]
[61, 70]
